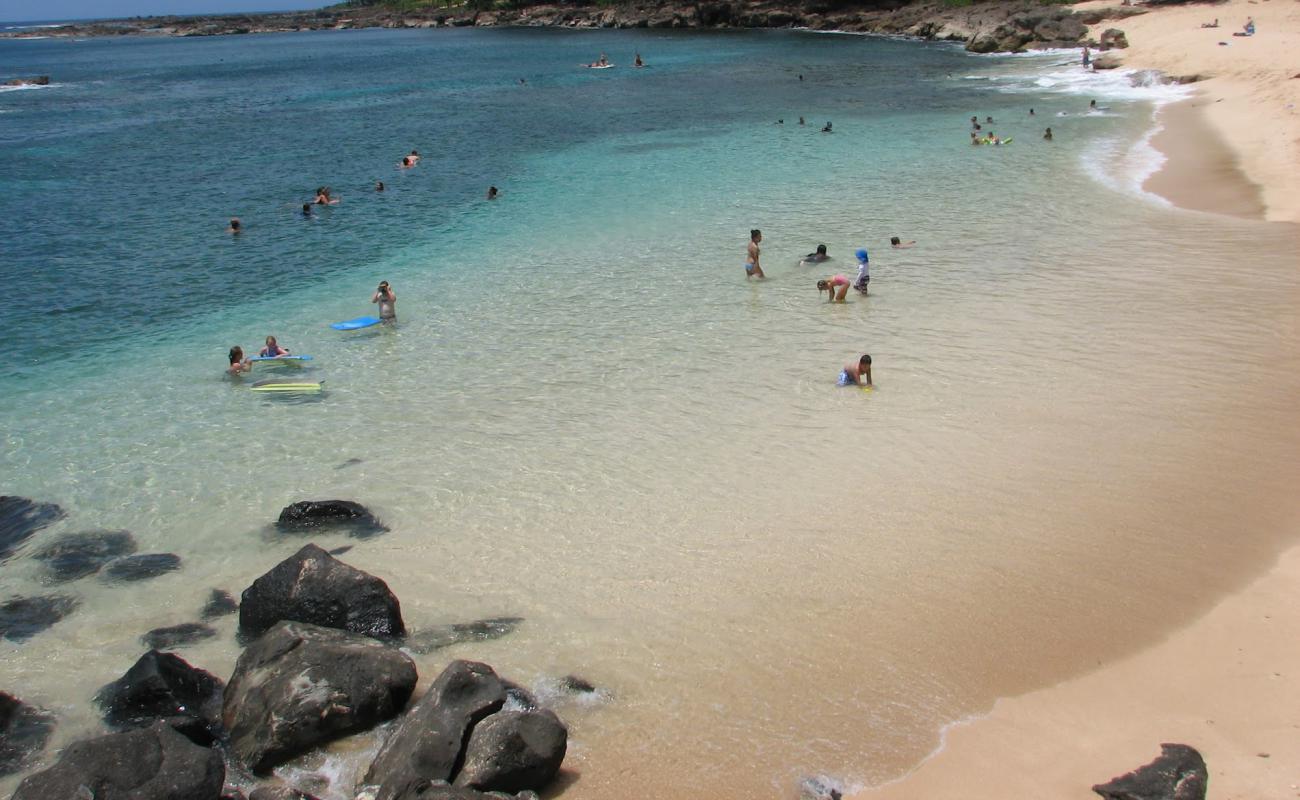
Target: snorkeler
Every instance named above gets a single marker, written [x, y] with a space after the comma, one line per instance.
[836, 288]
[752, 267]
[379, 186]
[827, 129]
[306, 210]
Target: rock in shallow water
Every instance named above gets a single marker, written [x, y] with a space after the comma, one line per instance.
[141, 567]
[177, 635]
[313, 586]
[24, 730]
[155, 763]
[438, 637]
[1177, 774]
[76, 555]
[511, 751]
[314, 516]
[21, 618]
[20, 518]
[220, 603]
[302, 685]
[163, 686]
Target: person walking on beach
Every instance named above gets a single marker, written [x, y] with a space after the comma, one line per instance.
[387, 300]
[835, 287]
[752, 267]
[857, 373]
[864, 271]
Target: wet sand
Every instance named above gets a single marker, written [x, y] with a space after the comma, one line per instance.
[1201, 172]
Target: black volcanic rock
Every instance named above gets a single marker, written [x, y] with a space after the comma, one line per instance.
[316, 516]
[20, 518]
[24, 730]
[220, 603]
[141, 567]
[177, 635]
[312, 586]
[1178, 773]
[21, 618]
[76, 555]
[163, 686]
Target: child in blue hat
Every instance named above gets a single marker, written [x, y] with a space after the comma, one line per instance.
[864, 271]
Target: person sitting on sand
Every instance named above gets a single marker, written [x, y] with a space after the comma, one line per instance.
[273, 349]
[899, 244]
[817, 256]
[835, 287]
[238, 364]
[387, 300]
[1047, 134]
[864, 271]
[235, 227]
[752, 267]
[857, 373]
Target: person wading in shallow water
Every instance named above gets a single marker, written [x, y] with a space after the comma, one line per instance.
[752, 266]
[387, 300]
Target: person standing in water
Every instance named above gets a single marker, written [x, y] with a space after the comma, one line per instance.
[387, 300]
[238, 364]
[752, 266]
[492, 193]
[835, 288]
[235, 226]
[273, 349]
[857, 373]
[1047, 134]
[864, 271]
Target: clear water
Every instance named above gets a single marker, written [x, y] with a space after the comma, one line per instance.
[1083, 431]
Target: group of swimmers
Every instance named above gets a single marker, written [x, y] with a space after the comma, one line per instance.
[384, 296]
[603, 63]
[978, 137]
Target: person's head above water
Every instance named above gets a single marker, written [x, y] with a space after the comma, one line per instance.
[861, 254]
[755, 234]
[270, 342]
[306, 209]
[236, 354]
[234, 223]
[821, 249]
[895, 240]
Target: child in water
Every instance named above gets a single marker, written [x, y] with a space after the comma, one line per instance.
[836, 288]
[816, 257]
[864, 271]
[238, 364]
[273, 349]
[857, 373]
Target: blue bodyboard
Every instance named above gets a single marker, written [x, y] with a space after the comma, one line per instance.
[280, 358]
[353, 324]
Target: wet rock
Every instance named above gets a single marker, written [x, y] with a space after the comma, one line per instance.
[575, 685]
[301, 685]
[155, 763]
[163, 686]
[338, 551]
[21, 618]
[428, 742]
[177, 635]
[313, 586]
[1107, 61]
[220, 603]
[441, 790]
[141, 567]
[280, 793]
[1113, 39]
[511, 751]
[1177, 774]
[351, 462]
[315, 516]
[38, 80]
[820, 787]
[438, 637]
[76, 555]
[24, 730]
[20, 518]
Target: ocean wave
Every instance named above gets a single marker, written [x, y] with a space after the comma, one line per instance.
[1115, 84]
[26, 86]
[1125, 168]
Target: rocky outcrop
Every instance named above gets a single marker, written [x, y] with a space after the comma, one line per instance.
[164, 687]
[511, 751]
[37, 80]
[20, 518]
[1107, 61]
[177, 635]
[280, 793]
[1177, 774]
[140, 568]
[315, 516]
[312, 586]
[428, 742]
[1113, 39]
[76, 555]
[220, 603]
[155, 763]
[24, 730]
[21, 618]
[302, 685]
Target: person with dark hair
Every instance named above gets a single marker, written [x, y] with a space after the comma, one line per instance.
[857, 373]
[306, 210]
[817, 256]
[387, 300]
[752, 266]
[899, 244]
[1047, 134]
[379, 186]
[827, 128]
[492, 193]
[835, 288]
[238, 364]
[235, 227]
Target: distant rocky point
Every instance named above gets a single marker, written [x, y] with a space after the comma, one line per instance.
[985, 27]
[39, 80]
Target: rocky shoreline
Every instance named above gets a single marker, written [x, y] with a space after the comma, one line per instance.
[983, 27]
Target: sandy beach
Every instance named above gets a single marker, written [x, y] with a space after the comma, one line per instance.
[1250, 95]
[1226, 684]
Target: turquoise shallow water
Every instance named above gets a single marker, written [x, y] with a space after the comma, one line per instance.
[586, 417]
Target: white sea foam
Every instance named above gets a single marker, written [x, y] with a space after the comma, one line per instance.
[26, 86]
[1124, 168]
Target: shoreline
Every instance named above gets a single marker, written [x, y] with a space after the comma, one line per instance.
[1232, 703]
[1201, 172]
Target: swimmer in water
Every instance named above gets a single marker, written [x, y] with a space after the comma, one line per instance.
[974, 138]
[323, 197]
[857, 373]
[379, 186]
[836, 288]
[975, 123]
[414, 157]
[816, 257]
[387, 300]
[1047, 134]
[638, 62]
[801, 122]
[492, 193]
[273, 349]
[899, 244]
[827, 129]
[235, 227]
[752, 267]
[238, 364]
[306, 210]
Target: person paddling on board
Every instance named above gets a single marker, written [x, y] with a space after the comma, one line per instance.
[857, 373]
[752, 267]
[387, 300]
[273, 349]
[238, 364]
